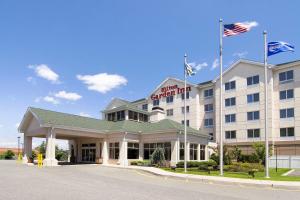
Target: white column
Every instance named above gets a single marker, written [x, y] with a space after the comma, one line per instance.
[104, 152]
[50, 149]
[123, 152]
[174, 152]
[27, 148]
[141, 150]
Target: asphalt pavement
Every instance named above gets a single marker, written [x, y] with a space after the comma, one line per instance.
[81, 182]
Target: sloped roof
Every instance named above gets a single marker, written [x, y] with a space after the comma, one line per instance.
[49, 118]
[128, 106]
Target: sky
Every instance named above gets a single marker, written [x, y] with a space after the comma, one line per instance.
[75, 56]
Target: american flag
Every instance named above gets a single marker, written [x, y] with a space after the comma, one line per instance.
[237, 28]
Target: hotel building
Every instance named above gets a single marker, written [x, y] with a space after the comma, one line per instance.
[132, 130]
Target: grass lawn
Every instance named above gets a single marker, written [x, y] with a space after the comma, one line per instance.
[275, 176]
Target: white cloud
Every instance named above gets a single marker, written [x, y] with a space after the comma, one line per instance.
[198, 66]
[215, 64]
[45, 72]
[240, 54]
[72, 96]
[50, 99]
[83, 114]
[251, 23]
[102, 82]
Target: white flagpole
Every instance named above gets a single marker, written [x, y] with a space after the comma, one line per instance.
[221, 97]
[266, 106]
[185, 145]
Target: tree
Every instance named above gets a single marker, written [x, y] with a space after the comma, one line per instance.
[158, 157]
[236, 153]
[260, 152]
[9, 154]
[216, 156]
[42, 149]
[60, 154]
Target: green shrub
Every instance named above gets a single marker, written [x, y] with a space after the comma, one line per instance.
[158, 157]
[197, 164]
[244, 167]
[8, 155]
[140, 163]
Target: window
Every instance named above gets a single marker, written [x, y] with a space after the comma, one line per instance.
[286, 94]
[193, 151]
[120, 115]
[287, 113]
[181, 151]
[132, 115]
[253, 133]
[230, 85]
[208, 122]
[252, 80]
[230, 102]
[145, 106]
[287, 132]
[187, 122]
[114, 150]
[143, 117]
[211, 136]
[187, 95]
[230, 134]
[150, 147]
[187, 109]
[230, 118]
[111, 116]
[208, 93]
[202, 152]
[251, 98]
[208, 107]
[133, 150]
[169, 112]
[169, 99]
[254, 115]
[156, 102]
[286, 76]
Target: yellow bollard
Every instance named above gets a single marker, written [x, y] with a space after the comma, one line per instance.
[40, 160]
[19, 158]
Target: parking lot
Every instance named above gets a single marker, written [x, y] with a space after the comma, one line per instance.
[19, 181]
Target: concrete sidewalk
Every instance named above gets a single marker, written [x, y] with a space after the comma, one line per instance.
[211, 179]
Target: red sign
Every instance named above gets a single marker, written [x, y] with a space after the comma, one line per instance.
[171, 90]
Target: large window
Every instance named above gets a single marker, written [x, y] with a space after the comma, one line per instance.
[208, 93]
[287, 113]
[230, 134]
[209, 108]
[88, 152]
[114, 150]
[254, 115]
[181, 151]
[133, 150]
[187, 95]
[143, 117]
[251, 98]
[145, 107]
[230, 118]
[150, 147]
[202, 152]
[120, 115]
[287, 132]
[286, 76]
[169, 99]
[286, 94]
[187, 122]
[208, 122]
[230, 102]
[230, 85]
[252, 80]
[156, 102]
[187, 109]
[253, 133]
[193, 151]
[169, 112]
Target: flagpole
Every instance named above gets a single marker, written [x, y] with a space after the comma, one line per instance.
[221, 97]
[185, 145]
[266, 107]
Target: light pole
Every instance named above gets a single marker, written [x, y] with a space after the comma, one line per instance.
[19, 145]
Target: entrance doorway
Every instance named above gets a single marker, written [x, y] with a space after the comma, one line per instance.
[88, 152]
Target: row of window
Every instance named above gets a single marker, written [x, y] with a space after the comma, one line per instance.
[170, 111]
[255, 133]
[193, 152]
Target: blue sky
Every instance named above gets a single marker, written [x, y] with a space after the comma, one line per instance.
[50, 50]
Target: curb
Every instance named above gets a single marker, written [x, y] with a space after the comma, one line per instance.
[291, 185]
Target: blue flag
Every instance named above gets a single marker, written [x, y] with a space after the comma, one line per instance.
[278, 47]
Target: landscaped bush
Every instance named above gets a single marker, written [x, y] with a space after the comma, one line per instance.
[243, 167]
[249, 158]
[141, 163]
[158, 157]
[8, 155]
[197, 164]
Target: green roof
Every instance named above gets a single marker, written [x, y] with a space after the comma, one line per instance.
[52, 118]
[127, 107]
